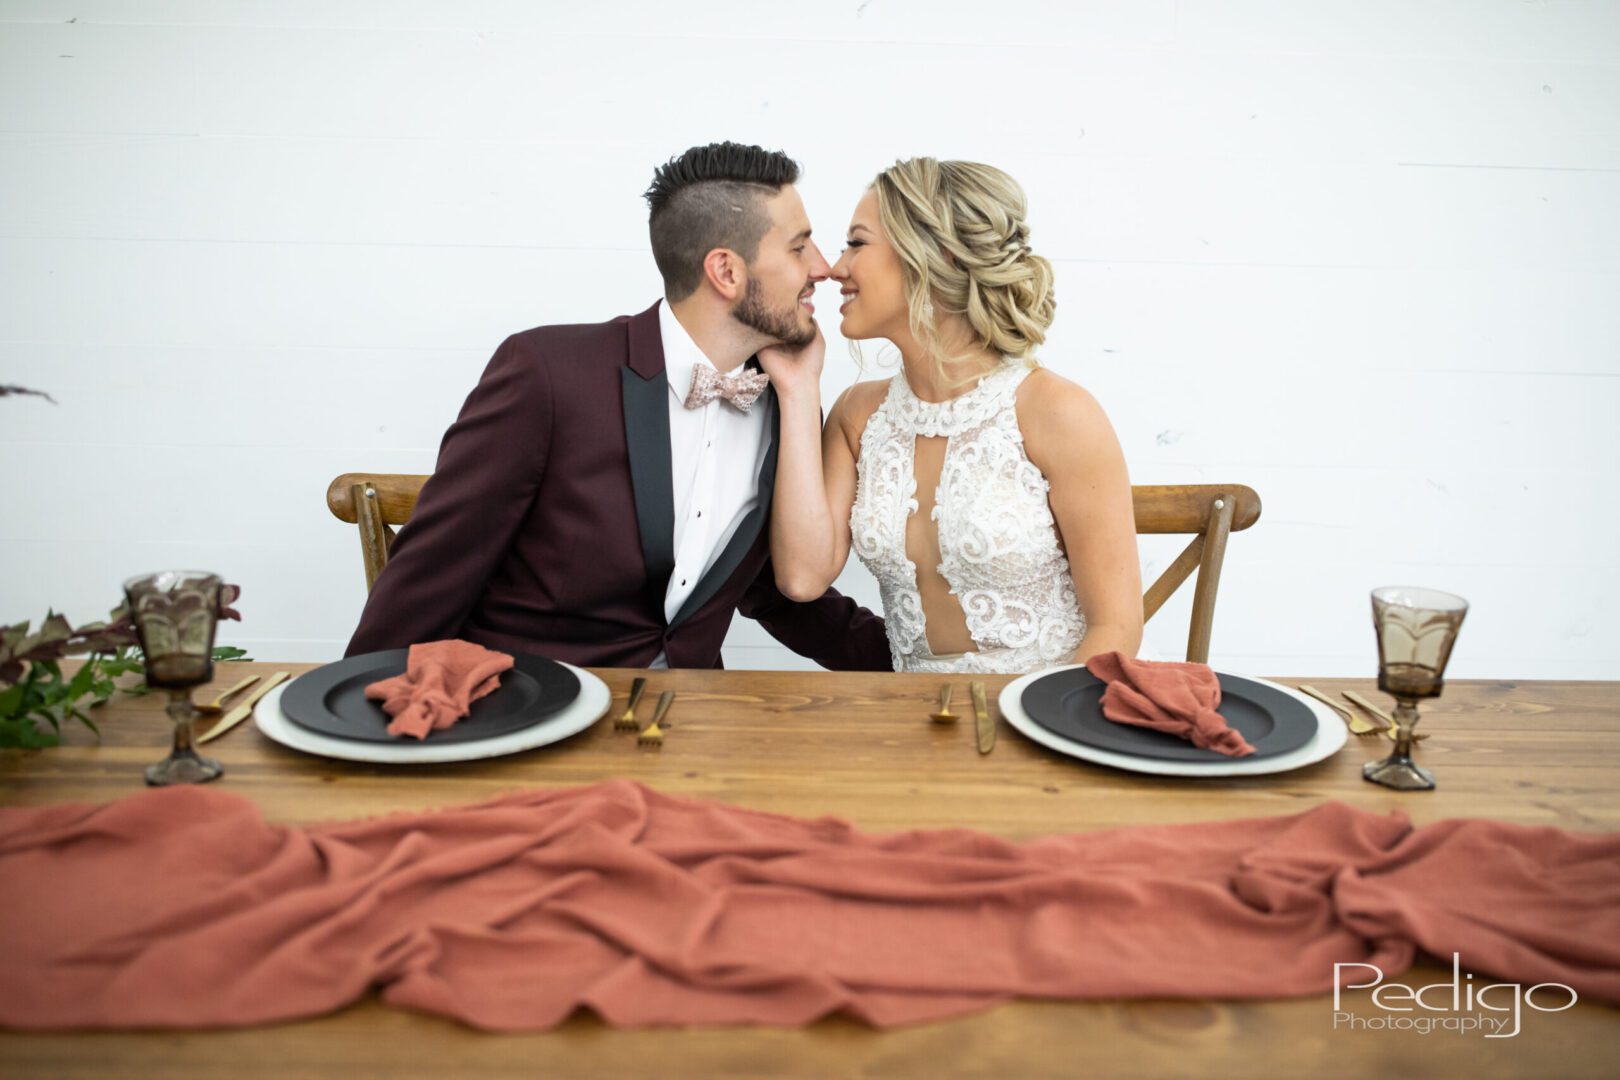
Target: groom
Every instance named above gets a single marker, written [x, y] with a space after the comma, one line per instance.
[603, 498]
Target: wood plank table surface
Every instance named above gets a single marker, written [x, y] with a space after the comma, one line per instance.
[859, 746]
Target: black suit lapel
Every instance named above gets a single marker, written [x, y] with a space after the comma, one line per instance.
[646, 436]
[747, 530]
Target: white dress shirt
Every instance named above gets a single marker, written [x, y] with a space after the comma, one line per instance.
[715, 456]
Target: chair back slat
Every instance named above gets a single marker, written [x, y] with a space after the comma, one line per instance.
[1209, 579]
[1211, 513]
[375, 536]
[1174, 574]
[374, 501]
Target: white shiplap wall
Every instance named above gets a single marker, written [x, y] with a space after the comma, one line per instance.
[1363, 256]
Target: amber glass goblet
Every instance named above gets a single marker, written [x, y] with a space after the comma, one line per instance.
[174, 612]
[1416, 629]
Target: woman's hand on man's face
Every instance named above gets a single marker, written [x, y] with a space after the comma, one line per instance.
[795, 372]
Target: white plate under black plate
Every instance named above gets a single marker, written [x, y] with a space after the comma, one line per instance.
[1329, 739]
[1068, 703]
[331, 700]
[589, 707]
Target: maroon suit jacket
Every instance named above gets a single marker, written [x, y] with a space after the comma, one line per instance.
[548, 524]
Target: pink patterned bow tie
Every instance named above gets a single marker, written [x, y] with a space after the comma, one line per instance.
[742, 388]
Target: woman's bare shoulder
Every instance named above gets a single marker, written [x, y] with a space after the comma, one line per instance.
[855, 407]
[1061, 417]
[1047, 397]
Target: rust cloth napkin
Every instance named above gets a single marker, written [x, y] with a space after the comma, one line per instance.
[1177, 698]
[442, 679]
[182, 908]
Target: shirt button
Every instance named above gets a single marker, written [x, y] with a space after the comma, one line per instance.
[683, 581]
[708, 444]
[700, 513]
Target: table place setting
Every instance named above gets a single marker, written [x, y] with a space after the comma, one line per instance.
[435, 702]
[341, 710]
[1187, 720]
[452, 700]
[1062, 709]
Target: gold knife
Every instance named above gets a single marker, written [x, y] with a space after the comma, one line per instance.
[1371, 709]
[244, 710]
[981, 716]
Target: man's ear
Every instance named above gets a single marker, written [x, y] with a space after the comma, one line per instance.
[726, 273]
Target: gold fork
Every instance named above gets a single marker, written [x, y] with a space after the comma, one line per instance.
[654, 735]
[626, 721]
[1356, 724]
[1378, 714]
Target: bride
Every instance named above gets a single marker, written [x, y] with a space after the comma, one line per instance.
[986, 494]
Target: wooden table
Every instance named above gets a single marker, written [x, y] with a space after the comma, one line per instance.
[859, 746]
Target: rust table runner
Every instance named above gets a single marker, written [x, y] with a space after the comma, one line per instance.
[184, 908]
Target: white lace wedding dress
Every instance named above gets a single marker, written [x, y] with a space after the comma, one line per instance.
[997, 538]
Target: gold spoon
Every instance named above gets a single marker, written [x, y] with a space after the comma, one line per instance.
[217, 706]
[944, 716]
[1356, 724]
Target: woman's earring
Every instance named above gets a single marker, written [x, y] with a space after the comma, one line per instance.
[928, 310]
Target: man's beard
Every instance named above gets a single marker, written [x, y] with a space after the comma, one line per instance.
[780, 326]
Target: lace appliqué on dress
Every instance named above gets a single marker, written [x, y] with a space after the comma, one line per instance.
[997, 537]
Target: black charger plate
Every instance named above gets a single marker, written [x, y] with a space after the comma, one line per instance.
[1069, 703]
[332, 699]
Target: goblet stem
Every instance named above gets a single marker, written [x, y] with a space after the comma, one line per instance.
[183, 765]
[183, 713]
[1398, 770]
[1406, 718]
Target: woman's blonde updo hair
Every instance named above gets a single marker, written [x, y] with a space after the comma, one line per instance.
[958, 228]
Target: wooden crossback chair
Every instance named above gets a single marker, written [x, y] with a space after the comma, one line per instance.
[1210, 512]
[379, 502]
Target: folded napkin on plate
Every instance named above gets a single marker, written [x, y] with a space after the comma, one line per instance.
[182, 907]
[442, 679]
[1176, 698]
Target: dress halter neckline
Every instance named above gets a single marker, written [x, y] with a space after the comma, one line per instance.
[967, 410]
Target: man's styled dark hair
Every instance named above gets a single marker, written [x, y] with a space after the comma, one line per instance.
[711, 197]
